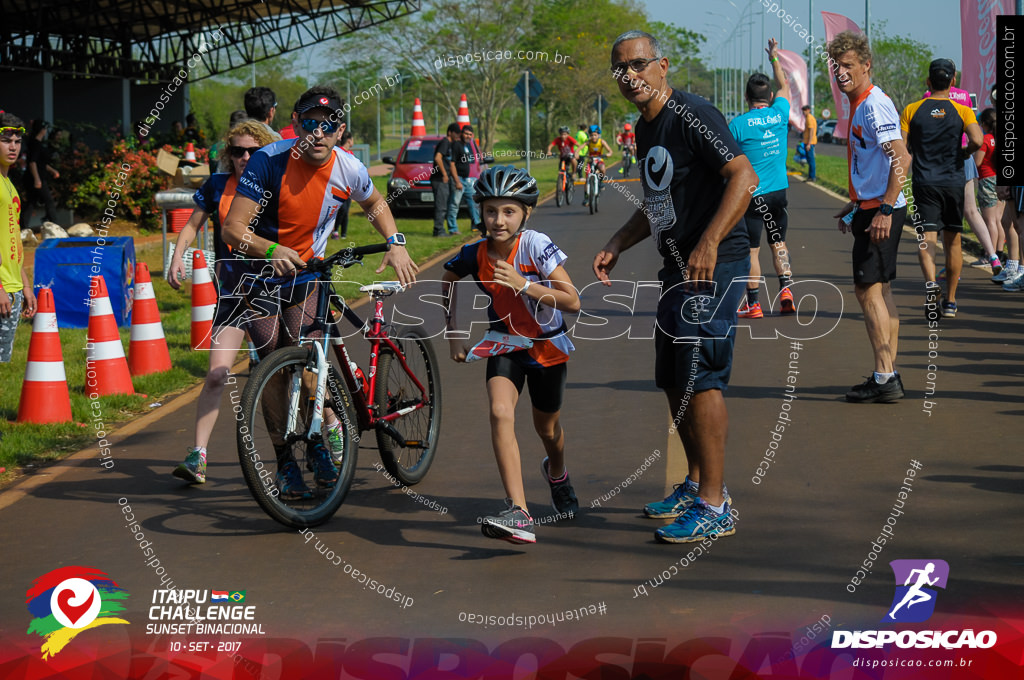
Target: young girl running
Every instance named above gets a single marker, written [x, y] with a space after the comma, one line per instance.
[522, 272]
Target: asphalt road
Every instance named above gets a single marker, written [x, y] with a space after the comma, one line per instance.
[803, 530]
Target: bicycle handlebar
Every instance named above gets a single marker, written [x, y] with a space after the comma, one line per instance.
[346, 257]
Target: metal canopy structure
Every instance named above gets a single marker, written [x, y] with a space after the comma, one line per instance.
[150, 40]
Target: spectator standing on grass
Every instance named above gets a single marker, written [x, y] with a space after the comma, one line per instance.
[762, 133]
[38, 171]
[810, 140]
[463, 156]
[16, 296]
[876, 211]
[346, 142]
[695, 195]
[988, 200]
[932, 129]
[261, 106]
[213, 200]
[443, 179]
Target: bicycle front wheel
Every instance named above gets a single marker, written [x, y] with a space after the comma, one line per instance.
[407, 448]
[559, 191]
[592, 191]
[570, 190]
[283, 466]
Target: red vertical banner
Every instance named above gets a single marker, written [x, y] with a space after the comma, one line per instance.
[795, 69]
[978, 35]
[834, 25]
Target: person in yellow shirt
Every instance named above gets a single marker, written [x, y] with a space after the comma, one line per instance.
[15, 286]
[810, 140]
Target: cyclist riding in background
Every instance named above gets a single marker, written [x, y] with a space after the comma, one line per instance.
[566, 146]
[595, 147]
[627, 142]
[626, 139]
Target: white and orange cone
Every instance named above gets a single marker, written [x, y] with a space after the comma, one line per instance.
[147, 349]
[105, 365]
[419, 128]
[463, 118]
[190, 152]
[44, 396]
[204, 302]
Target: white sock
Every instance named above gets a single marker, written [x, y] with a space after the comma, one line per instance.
[718, 508]
[1012, 265]
[882, 378]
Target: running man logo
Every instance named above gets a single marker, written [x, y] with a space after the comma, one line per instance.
[71, 600]
[914, 600]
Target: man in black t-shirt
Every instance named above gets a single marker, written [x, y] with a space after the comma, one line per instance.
[443, 179]
[697, 185]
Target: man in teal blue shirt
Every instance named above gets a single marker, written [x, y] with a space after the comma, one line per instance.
[761, 133]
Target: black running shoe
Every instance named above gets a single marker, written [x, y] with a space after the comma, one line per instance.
[563, 498]
[871, 392]
[512, 524]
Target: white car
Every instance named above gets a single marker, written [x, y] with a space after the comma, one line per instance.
[826, 133]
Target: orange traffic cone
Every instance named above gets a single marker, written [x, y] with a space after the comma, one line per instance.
[106, 367]
[190, 152]
[147, 349]
[463, 117]
[419, 128]
[204, 302]
[44, 396]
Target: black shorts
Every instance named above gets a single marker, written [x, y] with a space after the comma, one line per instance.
[875, 262]
[547, 383]
[767, 211]
[939, 208]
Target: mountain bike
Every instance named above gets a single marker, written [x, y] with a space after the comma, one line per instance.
[284, 401]
[592, 187]
[627, 160]
[566, 187]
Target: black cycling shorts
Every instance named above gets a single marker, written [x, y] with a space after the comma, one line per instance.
[768, 212]
[875, 262]
[939, 208]
[547, 383]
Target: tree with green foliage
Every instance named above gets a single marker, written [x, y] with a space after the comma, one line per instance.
[899, 66]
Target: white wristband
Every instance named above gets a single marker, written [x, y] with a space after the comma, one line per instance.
[523, 289]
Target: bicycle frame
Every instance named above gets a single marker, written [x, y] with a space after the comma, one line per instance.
[376, 334]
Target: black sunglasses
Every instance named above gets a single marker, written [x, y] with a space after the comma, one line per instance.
[239, 151]
[636, 66]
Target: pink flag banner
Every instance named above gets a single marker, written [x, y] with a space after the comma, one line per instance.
[795, 69]
[834, 25]
[978, 35]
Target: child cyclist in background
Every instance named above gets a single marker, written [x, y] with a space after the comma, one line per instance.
[522, 272]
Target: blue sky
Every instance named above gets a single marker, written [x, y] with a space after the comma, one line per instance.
[934, 22]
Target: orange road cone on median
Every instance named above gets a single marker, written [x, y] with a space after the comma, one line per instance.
[147, 349]
[44, 395]
[204, 302]
[463, 118]
[106, 369]
[419, 128]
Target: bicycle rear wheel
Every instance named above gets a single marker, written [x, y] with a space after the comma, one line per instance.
[281, 384]
[408, 459]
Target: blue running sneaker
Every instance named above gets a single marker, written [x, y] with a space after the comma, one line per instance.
[289, 481]
[674, 505]
[696, 524]
[677, 502]
[320, 462]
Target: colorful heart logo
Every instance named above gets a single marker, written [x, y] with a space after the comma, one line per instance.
[73, 612]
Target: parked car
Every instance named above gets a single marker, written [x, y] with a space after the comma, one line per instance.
[409, 183]
[827, 133]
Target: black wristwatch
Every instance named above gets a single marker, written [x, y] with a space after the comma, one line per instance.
[885, 209]
[398, 239]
